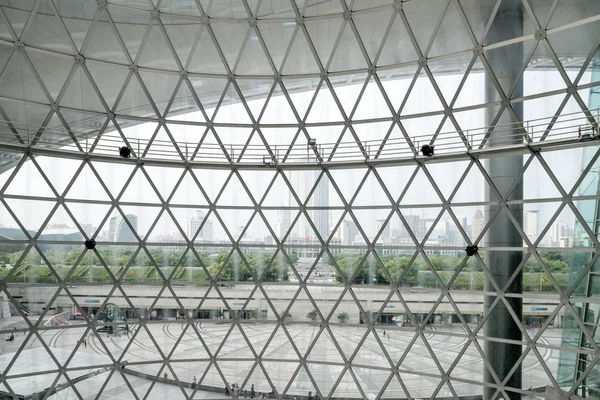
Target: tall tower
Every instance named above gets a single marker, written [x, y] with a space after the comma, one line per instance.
[194, 223]
[319, 198]
[530, 224]
[119, 231]
[283, 223]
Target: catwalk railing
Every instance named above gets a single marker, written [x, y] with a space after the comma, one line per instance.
[552, 130]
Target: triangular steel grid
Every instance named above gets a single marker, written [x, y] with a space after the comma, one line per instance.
[235, 84]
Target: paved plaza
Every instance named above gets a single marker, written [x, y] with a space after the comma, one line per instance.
[280, 360]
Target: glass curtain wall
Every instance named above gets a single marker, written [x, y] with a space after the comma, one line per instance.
[275, 224]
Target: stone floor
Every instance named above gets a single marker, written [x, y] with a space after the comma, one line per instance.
[236, 355]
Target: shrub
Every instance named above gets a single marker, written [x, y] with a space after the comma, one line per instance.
[343, 317]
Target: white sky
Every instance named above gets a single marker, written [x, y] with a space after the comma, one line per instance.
[565, 164]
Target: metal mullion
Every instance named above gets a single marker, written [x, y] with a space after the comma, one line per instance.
[583, 106]
[487, 271]
[583, 274]
[280, 323]
[555, 117]
[123, 89]
[370, 328]
[290, 44]
[66, 125]
[586, 63]
[30, 19]
[407, 350]
[465, 21]
[172, 98]
[242, 49]
[583, 376]
[355, 106]
[60, 22]
[224, 340]
[437, 28]
[264, 196]
[556, 61]
[220, 101]
[385, 37]
[264, 47]
[146, 92]
[336, 227]
[6, 119]
[173, 141]
[243, 151]
[490, 367]
[357, 35]
[546, 324]
[545, 367]
[358, 188]
[485, 317]
[219, 142]
[8, 25]
[337, 382]
[169, 43]
[123, 137]
[218, 48]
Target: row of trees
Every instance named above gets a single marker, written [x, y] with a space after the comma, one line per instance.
[397, 266]
[227, 268]
[265, 266]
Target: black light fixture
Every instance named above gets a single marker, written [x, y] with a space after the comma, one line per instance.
[312, 142]
[125, 152]
[427, 150]
[90, 244]
[471, 250]
[268, 161]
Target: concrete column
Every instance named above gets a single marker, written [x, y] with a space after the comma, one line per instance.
[505, 63]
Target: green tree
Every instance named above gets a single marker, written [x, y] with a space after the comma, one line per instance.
[312, 315]
[343, 317]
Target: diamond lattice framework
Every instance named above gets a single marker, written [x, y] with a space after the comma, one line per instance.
[237, 258]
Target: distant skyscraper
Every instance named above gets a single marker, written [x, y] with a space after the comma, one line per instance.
[415, 224]
[386, 231]
[119, 231]
[477, 225]
[530, 224]
[283, 223]
[319, 198]
[347, 232]
[193, 224]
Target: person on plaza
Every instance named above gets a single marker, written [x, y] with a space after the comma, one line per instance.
[227, 389]
[245, 394]
[252, 392]
[194, 382]
[166, 376]
[310, 396]
[383, 333]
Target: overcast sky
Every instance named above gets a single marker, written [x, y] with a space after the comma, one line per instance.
[566, 164]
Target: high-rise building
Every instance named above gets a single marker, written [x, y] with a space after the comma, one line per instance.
[319, 198]
[119, 230]
[415, 224]
[194, 223]
[477, 225]
[347, 232]
[385, 234]
[283, 223]
[530, 224]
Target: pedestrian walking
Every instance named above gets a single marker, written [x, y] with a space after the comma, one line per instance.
[166, 376]
[227, 389]
[194, 382]
[383, 333]
[245, 394]
[310, 397]
[252, 392]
